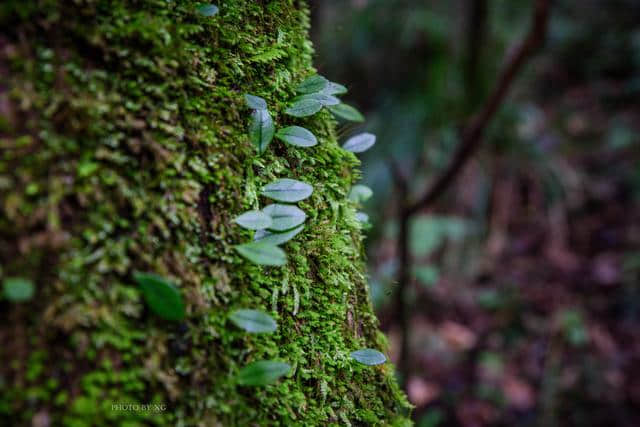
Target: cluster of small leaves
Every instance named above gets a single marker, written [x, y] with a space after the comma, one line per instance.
[274, 225]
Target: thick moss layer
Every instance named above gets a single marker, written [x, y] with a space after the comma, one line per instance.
[124, 147]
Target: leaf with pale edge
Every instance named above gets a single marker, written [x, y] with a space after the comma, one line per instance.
[17, 289]
[208, 9]
[262, 372]
[346, 112]
[315, 83]
[362, 217]
[255, 102]
[261, 129]
[360, 193]
[262, 253]
[359, 143]
[275, 238]
[253, 321]
[369, 356]
[162, 297]
[254, 220]
[284, 217]
[304, 107]
[334, 89]
[322, 98]
[298, 136]
[287, 190]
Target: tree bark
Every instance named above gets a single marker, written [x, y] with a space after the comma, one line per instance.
[124, 148]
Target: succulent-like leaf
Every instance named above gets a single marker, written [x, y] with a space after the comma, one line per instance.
[17, 289]
[263, 253]
[359, 143]
[360, 193]
[275, 238]
[322, 98]
[315, 83]
[346, 112]
[298, 136]
[369, 356]
[261, 129]
[334, 89]
[208, 9]
[162, 297]
[284, 217]
[304, 107]
[255, 102]
[287, 190]
[253, 321]
[362, 217]
[254, 220]
[262, 372]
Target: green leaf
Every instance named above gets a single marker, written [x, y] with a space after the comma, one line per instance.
[254, 220]
[312, 84]
[162, 297]
[262, 253]
[359, 143]
[18, 289]
[334, 89]
[262, 372]
[287, 190]
[304, 107]
[360, 193]
[322, 98]
[284, 217]
[255, 102]
[253, 321]
[275, 238]
[298, 136]
[261, 129]
[346, 112]
[208, 9]
[369, 356]
[427, 274]
[362, 217]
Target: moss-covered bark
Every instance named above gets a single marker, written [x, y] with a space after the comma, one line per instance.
[124, 147]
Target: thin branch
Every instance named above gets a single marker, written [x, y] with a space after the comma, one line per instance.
[472, 135]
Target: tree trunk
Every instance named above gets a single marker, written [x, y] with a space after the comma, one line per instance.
[124, 148]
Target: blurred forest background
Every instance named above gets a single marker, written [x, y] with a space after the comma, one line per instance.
[524, 299]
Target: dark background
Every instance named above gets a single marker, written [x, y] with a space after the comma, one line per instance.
[524, 289]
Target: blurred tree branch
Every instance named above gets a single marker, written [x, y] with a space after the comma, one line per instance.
[470, 141]
[473, 133]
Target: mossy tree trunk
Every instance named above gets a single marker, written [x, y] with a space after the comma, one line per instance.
[124, 148]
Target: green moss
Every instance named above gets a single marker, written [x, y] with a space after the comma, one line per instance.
[125, 148]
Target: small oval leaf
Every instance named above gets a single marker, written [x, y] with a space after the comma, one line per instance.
[262, 372]
[287, 190]
[253, 321]
[359, 143]
[346, 112]
[254, 220]
[263, 253]
[255, 102]
[304, 107]
[18, 289]
[208, 9]
[362, 217]
[322, 98]
[261, 129]
[298, 136]
[369, 356]
[162, 297]
[275, 238]
[312, 84]
[284, 217]
[334, 89]
[360, 193]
